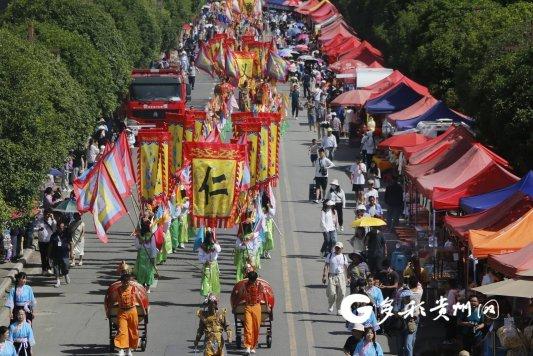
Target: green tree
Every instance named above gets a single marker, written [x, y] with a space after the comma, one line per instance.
[85, 18]
[43, 113]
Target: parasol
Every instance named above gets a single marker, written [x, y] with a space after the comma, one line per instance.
[356, 97]
[368, 221]
[67, 206]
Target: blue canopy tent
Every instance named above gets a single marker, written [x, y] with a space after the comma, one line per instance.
[277, 4]
[396, 99]
[436, 112]
[481, 202]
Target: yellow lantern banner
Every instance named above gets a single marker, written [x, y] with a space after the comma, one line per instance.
[153, 163]
[199, 124]
[245, 64]
[252, 131]
[189, 127]
[216, 170]
[264, 146]
[273, 162]
[175, 126]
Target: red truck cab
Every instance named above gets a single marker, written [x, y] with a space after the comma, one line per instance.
[155, 92]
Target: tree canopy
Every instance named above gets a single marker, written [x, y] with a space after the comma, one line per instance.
[75, 67]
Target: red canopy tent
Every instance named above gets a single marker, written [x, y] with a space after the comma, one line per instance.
[346, 45]
[491, 178]
[390, 82]
[335, 41]
[509, 239]
[470, 164]
[417, 109]
[346, 65]
[438, 157]
[452, 130]
[352, 98]
[305, 7]
[396, 142]
[365, 52]
[375, 65]
[338, 27]
[493, 219]
[323, 11]
[510, 264]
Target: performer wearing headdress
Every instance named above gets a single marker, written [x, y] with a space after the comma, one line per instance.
[212, 324]
[246, 245]
[208, 255]
[144, 269]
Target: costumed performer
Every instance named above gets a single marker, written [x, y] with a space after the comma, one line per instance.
[268, 228]
[20, 297]
[212, 324]
[247, 246]
[6, 347]
[21, 334]
[144, 269]
[128, 298]
[252, 294]
[208, 255]
[163, 228]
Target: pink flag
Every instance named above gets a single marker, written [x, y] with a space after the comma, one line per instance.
[124, 152]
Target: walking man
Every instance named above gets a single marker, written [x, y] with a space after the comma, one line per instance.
[322, 165]
[329, 143]
[334, 275]
[253, 295]
[394, 201]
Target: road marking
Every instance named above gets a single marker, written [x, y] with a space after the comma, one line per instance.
[299, 269]
[286, 281]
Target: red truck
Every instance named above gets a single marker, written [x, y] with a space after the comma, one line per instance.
[154, 93]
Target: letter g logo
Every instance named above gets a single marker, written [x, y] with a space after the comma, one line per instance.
[363, 313]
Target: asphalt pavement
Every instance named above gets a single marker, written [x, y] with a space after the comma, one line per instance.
[70, 320]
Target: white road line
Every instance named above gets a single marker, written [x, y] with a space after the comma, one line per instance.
[299, 269]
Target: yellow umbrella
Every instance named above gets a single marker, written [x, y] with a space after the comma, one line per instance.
[368, 221]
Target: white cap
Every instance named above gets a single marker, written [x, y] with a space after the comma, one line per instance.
[360, 207]
[335, 182]
[339, 245]
[358, 327]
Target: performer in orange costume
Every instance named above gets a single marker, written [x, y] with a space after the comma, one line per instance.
[253, 294]
[127, 337]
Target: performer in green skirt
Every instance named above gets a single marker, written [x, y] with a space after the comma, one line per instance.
[268, 230]
[144, 269]
[208, 255]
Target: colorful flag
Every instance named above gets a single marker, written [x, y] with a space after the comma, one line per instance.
[108, 206]
[153, 163]
[85, 187]
[203, 60]
[277, 67]
[124, 152]
[245, 65]
[232, 67]
[220, 58]
[115, 165]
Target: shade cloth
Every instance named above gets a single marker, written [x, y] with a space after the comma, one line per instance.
[509, 239]
[356, 97]
[438, 157]
[484, 201]
[393, 80]
[512, 263]
[365, 52]
[438, 111]
[452, 130]
[493, 219]
[508, 288]
[492, 177]
[398, 141]
[398, 98]
[414, 110]
[471, 163]
[323, 11]
[345, 65]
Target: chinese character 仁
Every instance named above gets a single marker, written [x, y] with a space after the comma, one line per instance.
[214, 180]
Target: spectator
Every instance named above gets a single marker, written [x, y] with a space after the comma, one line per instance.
[371, 192]
[76, 232]
[358, 239]
[368, 147]
[389, 280]
[374, 174]
[335, 271]
[295, 100]
[328, 223]
[311, 118]
[313, 151]
[92, 153]
[471, 325]
[322, 165]
[329, 143]
[451, 325]
[357, 175]
[336, 127]
[394, 201]
[45, 227]
[352, 341]
[48, 199]
[374, 209]
[377, 249]
[60, 251]
[306, 81]
[368, 346]
[337, 196]
[192, 75]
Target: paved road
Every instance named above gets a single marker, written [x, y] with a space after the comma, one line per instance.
[70, 320]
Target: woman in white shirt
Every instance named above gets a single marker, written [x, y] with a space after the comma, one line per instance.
[337, 196]
[328, 223]
[208, 256]
[92, 153]
[358, 171]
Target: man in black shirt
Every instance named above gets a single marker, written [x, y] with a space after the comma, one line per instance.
[394, 201]
[389, 280]
[357, 334]
[377, 250]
